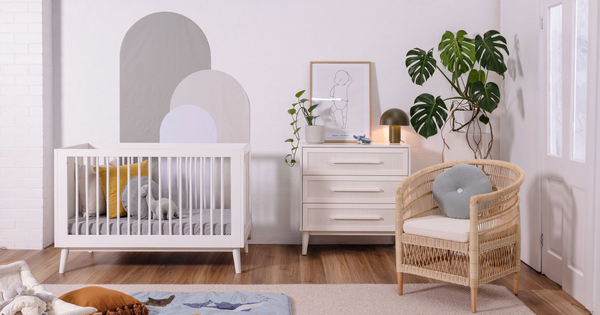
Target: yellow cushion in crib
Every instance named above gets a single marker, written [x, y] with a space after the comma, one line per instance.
[116, 206]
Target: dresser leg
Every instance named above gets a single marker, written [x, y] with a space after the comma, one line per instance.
[305, 237]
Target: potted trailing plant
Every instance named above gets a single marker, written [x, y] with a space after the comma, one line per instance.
[469, 62]
[313, 133]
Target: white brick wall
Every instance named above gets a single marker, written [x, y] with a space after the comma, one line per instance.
[26, 205]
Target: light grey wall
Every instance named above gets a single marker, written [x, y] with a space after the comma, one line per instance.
[520, 119]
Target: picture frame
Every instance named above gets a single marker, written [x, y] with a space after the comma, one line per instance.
[343, 91]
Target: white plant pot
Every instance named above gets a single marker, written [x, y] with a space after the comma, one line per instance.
[459, 148]
[314, 134]
[462, 116]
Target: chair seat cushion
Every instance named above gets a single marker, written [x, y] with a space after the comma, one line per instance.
[439, 226]
[453, 189]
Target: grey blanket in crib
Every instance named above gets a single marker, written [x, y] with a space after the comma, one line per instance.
[164, 224]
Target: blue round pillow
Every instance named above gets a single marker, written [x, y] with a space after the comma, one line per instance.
[453, 189]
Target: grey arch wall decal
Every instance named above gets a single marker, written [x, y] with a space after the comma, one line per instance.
[158, 51]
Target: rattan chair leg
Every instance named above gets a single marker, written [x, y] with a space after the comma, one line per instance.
[400, 282]
[474, 300]
[516, 283]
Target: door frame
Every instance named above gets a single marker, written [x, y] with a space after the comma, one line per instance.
[595, 7]
[592, 182]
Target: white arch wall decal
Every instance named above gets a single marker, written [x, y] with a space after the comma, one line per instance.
[223, 97]
[157, 53]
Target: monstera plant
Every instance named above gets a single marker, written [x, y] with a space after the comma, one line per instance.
[468, 63]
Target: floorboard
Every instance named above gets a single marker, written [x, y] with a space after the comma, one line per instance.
[266, 264]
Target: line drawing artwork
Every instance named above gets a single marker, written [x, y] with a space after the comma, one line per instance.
[339, 95]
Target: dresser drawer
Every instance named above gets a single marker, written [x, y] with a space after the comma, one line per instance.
[350, 189]
[346, 217]
[355, 161]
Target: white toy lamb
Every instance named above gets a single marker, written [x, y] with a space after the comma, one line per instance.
[163, 205]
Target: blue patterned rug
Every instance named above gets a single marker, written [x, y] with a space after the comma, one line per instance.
[208, 303]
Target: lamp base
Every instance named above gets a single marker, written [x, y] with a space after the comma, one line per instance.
[395, 134]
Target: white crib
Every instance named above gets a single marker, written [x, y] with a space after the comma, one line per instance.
[208, 182]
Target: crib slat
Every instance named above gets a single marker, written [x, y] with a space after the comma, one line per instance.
[128, 197]
[77, 206]
[169, 160]
[202, 192]
[97, 195]
[180, 191]
[212, 194]
[195, 182]
[190, 205]
[222, 198]
[117, 197]
[107, 163]
[159, 211]
[150, 193]
[87, 197]
[139, 163]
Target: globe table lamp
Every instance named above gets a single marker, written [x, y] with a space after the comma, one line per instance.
[394, 118]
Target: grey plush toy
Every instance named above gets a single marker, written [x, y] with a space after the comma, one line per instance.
[159, 207]
[17, 289]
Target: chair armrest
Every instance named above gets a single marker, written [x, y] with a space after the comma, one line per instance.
[486, 207]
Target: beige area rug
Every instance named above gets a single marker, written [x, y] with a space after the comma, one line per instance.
[350, 299]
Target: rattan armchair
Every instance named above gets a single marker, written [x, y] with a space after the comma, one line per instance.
[494, 236]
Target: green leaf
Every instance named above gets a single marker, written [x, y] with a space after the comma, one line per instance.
[486, 96]
[289, 140]
[297, 129]
[473, 76]
[489, 51]
[420, 64]
[482, 76]
[309, 120]
[457, 53]
[292, 123]
[428, 114]
[303, 100]
[293, 161]
[484, 119]
[299, 94]
[294, 104]
[292, 111]
[310, 109]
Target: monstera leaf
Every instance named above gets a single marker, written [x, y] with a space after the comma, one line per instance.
[486, 96]
[457, 53]
[428, 114]
[488, 51]
[420, 64]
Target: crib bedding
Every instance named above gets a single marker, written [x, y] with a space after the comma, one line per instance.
[133, 224]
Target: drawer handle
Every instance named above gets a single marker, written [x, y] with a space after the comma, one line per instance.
[357, 162]
[362, 217]
[356, 190]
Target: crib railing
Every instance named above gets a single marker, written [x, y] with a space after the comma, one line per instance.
[207, 183]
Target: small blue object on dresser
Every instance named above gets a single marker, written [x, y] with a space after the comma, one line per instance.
[133, 191]
[362, 139]
[453, 189]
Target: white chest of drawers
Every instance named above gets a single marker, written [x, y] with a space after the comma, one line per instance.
[349, 189]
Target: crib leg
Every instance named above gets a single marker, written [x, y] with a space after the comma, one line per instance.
[246, 248]
[64, 256]
[237, 262]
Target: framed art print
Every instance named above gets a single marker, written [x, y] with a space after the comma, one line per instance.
[343, 91]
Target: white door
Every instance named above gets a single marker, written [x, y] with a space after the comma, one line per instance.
[568, 157]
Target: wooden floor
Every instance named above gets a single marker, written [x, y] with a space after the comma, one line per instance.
[265, 264]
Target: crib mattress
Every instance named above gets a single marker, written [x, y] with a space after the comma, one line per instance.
[154, 224]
